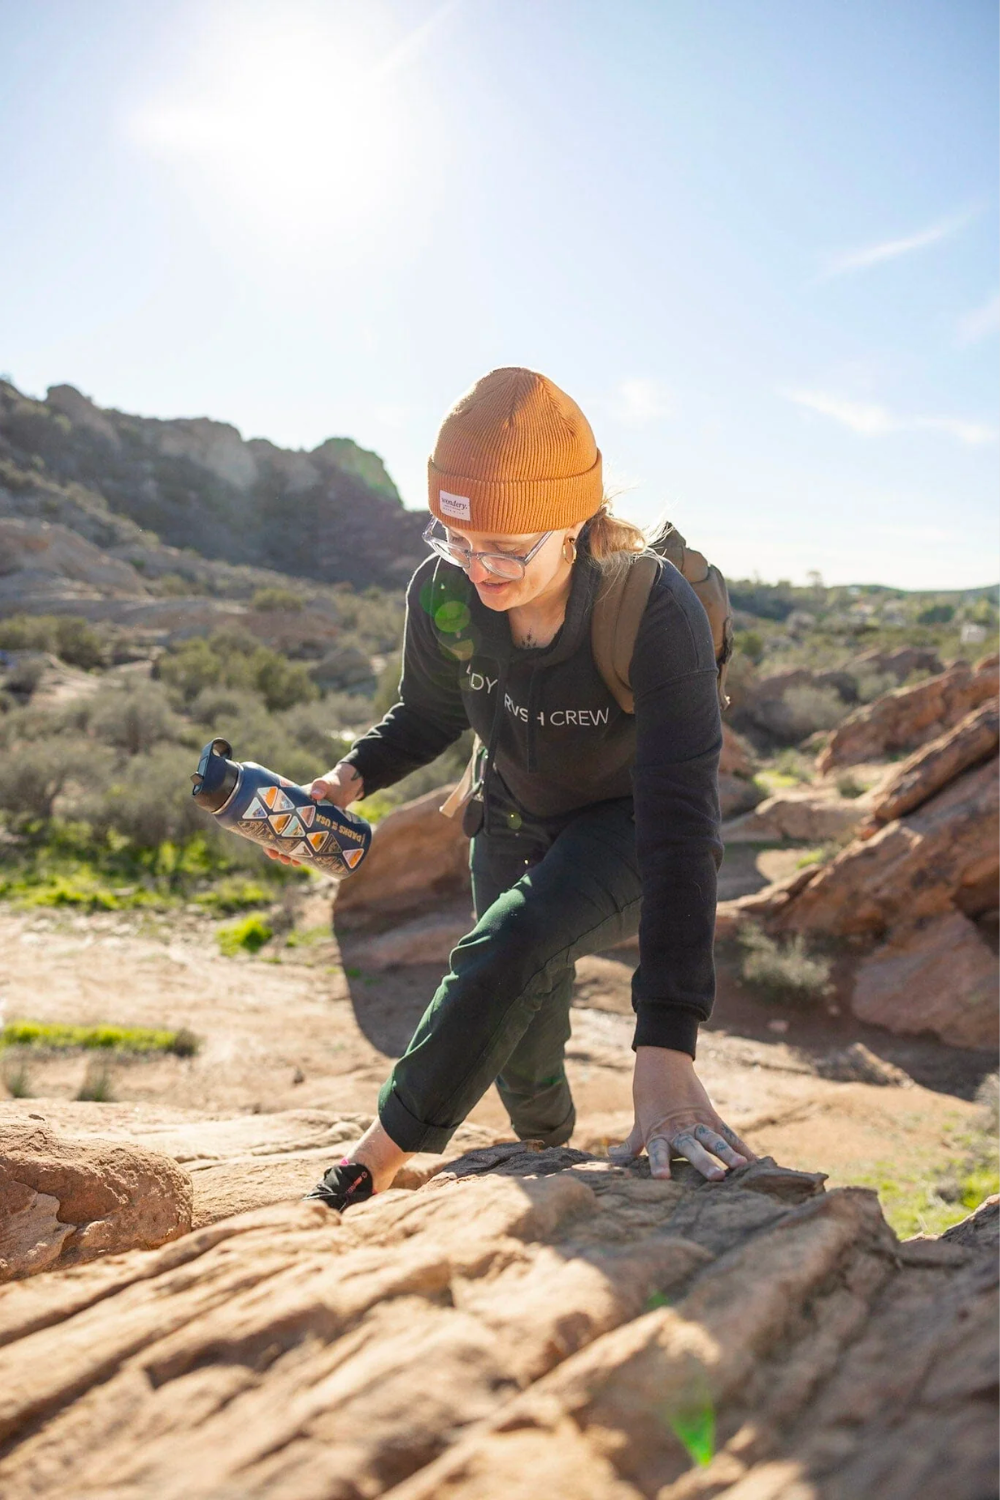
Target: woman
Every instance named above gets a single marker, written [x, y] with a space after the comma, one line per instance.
[590, 824]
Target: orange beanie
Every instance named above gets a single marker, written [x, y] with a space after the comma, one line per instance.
[514, 455]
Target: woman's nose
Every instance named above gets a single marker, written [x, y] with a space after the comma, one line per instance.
[477, 573]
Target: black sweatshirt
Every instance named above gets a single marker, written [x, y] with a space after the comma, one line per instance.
[561, 743]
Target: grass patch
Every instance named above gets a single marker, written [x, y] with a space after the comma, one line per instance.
[778, 970]
[57, 1036]
[297, 939]
[248, 936]
[98, 1084]
[17, 1080]
[848, 785]
[950, 1187]
[234, 893]
[59, 864]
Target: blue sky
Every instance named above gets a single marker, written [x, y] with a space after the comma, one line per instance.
[755, 239]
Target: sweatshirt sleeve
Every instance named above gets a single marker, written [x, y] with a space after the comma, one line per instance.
[430, 714]
[675, 784]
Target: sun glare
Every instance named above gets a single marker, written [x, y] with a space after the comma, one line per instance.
[303, 122]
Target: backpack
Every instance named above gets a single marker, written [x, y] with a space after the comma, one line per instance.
[614, 625]
[620, 605]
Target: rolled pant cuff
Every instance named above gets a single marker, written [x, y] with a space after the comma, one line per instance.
[409, 1133]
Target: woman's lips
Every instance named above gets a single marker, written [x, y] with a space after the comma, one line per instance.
[492, 588]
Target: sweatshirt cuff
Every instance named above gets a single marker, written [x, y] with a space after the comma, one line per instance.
[666, 1026]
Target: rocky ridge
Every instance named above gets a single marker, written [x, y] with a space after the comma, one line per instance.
[129, 482]
[527, 1322]
[916, 889]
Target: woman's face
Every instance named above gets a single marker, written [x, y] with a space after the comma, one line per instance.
[545, 574]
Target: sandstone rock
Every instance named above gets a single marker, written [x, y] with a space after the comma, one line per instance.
[736, 758]
[424, 940]
[528, 1323]
[858, 1064]
[418, 860]
[909, 717]
[736, 795]
[941, 856]
[939, 978]
[899, 663]
[765, 704]
[63, 1201]
[973, 739]
[36, 554]
[233, 1164]
[806, 816]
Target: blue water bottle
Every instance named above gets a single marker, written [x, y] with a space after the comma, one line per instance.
[273, 811]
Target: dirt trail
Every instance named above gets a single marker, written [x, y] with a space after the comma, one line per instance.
[298, 1030]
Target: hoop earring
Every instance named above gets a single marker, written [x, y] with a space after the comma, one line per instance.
[572, 542]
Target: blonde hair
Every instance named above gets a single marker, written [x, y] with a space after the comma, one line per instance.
[608, 536]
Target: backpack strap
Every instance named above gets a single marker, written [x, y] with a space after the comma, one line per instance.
[621, 603]
[614, 622]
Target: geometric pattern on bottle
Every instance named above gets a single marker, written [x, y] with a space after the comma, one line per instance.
[352, 856]
[277, 800]
[255, 810]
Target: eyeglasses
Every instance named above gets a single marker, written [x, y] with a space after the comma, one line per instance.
[503, 564]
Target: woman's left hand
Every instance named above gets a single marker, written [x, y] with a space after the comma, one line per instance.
[674, 1116]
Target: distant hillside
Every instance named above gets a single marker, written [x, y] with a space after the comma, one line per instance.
[333, 515]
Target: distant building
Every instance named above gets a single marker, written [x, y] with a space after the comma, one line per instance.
[972, 634]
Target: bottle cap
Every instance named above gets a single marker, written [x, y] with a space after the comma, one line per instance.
[213, 782]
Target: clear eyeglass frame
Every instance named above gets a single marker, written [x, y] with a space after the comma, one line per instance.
[501, 564]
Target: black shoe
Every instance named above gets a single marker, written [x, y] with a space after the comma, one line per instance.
[346, 1183]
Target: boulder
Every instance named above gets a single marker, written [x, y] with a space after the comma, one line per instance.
[737, 758]
[926, 771]
[527, 1323]
[419, 860]
[942, 856]
[899, 663]
[769, 704]
[66, 1200]
[804, 816]
[940, 977]
[423, 940]
[909, 717]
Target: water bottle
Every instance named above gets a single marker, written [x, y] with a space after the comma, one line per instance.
[273, 811]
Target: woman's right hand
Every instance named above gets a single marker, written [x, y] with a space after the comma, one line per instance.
[341, 786]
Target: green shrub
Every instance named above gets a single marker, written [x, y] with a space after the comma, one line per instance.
[61, 1037]
[275, 599]
[848, 785]
[808, 709]
[149, 801]
[234, 893]
[72, 639]
[33, 776]
[17, 1080]
[248, 936]
[782, 971]
[280, 682]
[98, 1084]
[133, 716]
[751, 644]
[78, 643]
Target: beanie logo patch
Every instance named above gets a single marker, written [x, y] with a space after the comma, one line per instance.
[458, 507]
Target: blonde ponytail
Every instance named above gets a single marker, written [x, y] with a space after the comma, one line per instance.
[608, 536]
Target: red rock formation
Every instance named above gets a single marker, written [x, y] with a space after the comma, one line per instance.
[909, 717]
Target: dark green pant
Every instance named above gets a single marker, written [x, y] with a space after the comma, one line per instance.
[546, 894]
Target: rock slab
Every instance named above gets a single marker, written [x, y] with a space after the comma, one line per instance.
[527, 1323]
[66, 1200]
